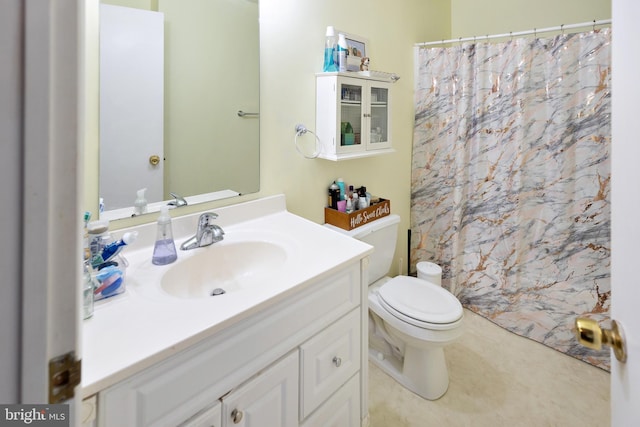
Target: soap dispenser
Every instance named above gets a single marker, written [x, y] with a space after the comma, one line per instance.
[140, 204]
[164, 251]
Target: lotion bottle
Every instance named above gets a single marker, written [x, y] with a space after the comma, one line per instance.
[164, 251]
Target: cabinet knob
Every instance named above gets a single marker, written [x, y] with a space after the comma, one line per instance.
[236, 416]
[337, 361]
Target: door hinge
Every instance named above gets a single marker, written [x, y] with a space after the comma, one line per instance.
[65, 373]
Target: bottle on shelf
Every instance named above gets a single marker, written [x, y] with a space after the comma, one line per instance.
[330, 51]
[342, 53]
[334, 195]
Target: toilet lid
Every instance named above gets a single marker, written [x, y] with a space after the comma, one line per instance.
[421, 300]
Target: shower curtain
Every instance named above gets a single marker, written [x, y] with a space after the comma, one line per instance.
[511, 181]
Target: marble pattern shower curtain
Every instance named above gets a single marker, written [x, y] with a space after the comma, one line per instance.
[511, 181]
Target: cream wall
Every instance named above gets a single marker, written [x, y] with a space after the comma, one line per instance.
[474, 18]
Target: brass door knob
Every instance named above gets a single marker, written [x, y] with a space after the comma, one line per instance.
[154, 160]
[591, 335]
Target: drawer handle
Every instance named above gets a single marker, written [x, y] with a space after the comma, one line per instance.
[337, 361]
[236, 416]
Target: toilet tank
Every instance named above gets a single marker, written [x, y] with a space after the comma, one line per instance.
[381, 234]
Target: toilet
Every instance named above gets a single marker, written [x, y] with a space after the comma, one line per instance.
[410, 319]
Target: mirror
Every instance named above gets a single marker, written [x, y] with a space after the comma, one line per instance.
[190, 90]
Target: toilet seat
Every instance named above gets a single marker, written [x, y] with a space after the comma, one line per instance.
[420, 303]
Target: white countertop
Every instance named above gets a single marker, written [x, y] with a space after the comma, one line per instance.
[145, 325]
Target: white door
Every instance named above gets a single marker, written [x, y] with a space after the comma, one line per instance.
[625, 288]
[51, 253]
[131, 105]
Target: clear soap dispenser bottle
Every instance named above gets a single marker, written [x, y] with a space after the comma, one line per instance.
[140, 204]
[164, 251]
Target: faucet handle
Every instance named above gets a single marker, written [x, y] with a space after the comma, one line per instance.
[204, 222]
[207, 218]
[179, 200]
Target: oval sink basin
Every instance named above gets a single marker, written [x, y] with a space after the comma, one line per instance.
[224, 267]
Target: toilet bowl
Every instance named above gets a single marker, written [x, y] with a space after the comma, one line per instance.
[411, 320]
[417, 335]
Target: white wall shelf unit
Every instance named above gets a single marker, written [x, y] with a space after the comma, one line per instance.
[353, 115]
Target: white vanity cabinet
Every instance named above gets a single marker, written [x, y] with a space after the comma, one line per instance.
[297, 362]
[353, 115]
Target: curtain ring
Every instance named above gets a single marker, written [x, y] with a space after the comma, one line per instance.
[562, 29]
[535, 33]
[511, 35]
[594, 25]
[460, 40]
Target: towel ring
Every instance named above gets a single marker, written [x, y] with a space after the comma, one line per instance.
[301, 130]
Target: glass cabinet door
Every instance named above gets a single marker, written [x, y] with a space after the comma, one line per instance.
[378, 123]
[351, 114]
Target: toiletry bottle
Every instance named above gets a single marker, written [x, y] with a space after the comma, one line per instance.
[334, 195]
[340, 183]
[349, 205]
[342, 53]
[329, 51]
[86, 254]
[99, 237]
[140, 205]
[88, 286]
[362, 198]
[164, 251]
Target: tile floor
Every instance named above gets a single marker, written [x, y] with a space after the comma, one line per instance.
[497, 379]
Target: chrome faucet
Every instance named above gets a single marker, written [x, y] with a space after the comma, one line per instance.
[207, 233]
[178, 200]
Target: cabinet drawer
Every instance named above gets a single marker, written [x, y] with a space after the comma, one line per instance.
[341, 410]
[328, 360]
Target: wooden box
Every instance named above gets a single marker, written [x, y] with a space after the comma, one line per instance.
[349, 221]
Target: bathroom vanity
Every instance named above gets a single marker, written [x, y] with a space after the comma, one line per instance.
[285, 345]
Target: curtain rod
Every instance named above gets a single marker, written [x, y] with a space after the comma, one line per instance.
[519, 33]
